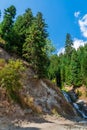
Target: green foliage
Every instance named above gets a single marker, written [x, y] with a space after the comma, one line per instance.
[67, 59]
[10, 77]
[7, 24]
[34, 48]
[68, 45]
[22, 23]
[82, 52]
[53, 67]
[27, 37]
[75, 70]
[69, 68]
[49, 48]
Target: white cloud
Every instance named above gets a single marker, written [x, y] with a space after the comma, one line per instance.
[61, 51]
[77, 43]
[83, 25]
[76, 14]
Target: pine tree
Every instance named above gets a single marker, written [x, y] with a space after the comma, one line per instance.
[83, 61]
[7, 24]
[34, 49]
[68, 45]
[22, 23]
[53, 67]
[75, 69]
[68, 53]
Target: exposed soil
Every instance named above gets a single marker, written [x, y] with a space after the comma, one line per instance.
[42, 123]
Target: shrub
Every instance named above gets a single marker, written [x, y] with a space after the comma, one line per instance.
[10, 77]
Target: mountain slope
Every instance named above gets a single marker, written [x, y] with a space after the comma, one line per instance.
[36, 96]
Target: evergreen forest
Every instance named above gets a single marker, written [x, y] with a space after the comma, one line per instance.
[28, 38]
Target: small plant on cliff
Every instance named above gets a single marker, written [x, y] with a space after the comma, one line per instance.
[10, 77]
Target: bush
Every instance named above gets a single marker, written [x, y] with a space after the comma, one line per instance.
[10, 77]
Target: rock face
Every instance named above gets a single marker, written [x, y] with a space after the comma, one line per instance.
[41, 96]
[38, 96]
[4, 54]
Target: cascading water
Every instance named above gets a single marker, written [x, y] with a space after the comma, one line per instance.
[67, 97]
[82, 111]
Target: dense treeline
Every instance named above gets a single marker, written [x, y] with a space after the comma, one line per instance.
[27, 36]
[69, 68]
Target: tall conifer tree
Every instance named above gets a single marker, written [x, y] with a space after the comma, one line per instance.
[34, 49]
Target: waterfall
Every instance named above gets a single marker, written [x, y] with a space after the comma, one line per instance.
[80, 111]
[77, 105]
[67, 97]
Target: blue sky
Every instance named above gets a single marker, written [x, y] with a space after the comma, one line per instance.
[62, 16]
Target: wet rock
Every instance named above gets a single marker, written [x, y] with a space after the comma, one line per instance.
[73, 96]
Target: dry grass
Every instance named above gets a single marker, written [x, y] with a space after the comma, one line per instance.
[27, 101]
[53, 86]
[82, 92]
